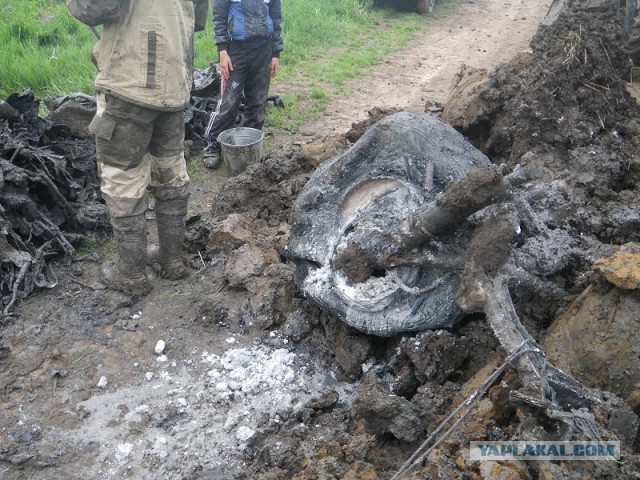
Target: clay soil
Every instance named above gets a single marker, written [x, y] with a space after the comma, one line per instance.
[255, 381]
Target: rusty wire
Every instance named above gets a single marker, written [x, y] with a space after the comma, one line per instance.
[422, 452]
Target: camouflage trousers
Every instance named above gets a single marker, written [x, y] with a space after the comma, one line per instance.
[138, 149]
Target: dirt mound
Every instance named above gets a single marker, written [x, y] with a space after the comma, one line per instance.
[567, 108]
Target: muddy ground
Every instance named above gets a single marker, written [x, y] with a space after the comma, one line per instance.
[255, 381]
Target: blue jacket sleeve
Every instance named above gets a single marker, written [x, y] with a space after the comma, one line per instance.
[275, 11]
[220, 23]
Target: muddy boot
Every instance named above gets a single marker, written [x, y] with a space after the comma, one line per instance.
[170, 219]
[212, 157]
[128, 274]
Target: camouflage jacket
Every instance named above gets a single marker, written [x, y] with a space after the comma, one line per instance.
[145, 53]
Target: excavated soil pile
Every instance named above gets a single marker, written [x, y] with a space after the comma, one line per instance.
[563, 113]
[567, 104]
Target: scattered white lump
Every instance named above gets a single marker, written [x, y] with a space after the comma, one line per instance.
[159, 347]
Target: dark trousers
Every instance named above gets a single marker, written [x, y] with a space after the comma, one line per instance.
[251, 75]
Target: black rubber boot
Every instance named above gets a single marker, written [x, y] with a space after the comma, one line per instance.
[171, 237]
[128, 273]
[212, 157]
[170, 219]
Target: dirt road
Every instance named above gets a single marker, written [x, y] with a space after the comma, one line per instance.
[87, 392]
[478, 33]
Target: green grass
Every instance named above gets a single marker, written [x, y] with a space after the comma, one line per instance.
[197, 171]
[364, 50]
[43, 48]
[89, 245]
[314, 28]
[326, 43]
[297, 111]
[323, 76]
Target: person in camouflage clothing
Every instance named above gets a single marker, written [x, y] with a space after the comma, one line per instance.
[145, 69]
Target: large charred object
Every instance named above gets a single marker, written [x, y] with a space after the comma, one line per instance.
[354, 236]
[412, 228]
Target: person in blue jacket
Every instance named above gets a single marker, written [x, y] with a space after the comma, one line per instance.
[248, 38]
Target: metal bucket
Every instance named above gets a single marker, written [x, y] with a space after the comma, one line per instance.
[240, 147]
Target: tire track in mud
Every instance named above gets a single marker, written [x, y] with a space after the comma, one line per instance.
[479, 33]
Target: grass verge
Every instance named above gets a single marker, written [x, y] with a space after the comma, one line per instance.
[321, 79]
[326, 43]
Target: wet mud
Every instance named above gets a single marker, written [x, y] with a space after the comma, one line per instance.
[257, 381]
